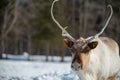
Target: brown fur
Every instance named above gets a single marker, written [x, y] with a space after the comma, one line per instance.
[84, 59]
[82, 54]
[68, 43]
[110, 78]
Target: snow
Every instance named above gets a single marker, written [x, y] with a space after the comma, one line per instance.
[35, 70]
[18, 68]
[34, 57]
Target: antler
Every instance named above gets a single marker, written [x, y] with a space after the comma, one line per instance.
[64, 32]
[97, 35]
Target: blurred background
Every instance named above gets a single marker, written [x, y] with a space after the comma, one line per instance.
[26, 25]
[30, 41]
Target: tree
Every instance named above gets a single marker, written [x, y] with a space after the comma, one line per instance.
[8, 24]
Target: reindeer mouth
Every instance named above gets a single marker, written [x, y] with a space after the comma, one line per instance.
[76, 70]
[76, 67]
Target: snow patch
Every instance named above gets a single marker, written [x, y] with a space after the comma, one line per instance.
[30, 70]
[36, 70]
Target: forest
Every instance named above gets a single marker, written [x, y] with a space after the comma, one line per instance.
[27, 26]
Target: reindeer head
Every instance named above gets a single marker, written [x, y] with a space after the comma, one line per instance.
[80, 48]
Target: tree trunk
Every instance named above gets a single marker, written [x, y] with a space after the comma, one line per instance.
[75, 18]
[62, 53]
[2, 47]
[21, 46]
[85, 17]
[52, 55]
[29, 46]
[0, 53]
[16, 45]
[6, 26]
[47, 51]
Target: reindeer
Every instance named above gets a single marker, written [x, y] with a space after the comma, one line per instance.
[95, 57]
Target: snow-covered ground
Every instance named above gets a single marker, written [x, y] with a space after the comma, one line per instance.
[35, 57]
[32, 70]
[18, 68]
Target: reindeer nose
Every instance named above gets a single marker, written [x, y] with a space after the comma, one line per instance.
[76, 66]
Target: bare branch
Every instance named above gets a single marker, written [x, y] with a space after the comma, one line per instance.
[14, 19]
[6, 17]
[64, 32]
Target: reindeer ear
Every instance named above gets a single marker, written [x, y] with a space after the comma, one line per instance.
[93, 44]
[69, 43]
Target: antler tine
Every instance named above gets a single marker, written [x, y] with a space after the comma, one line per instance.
[64, 32]
[106, 22]
[97, 35]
